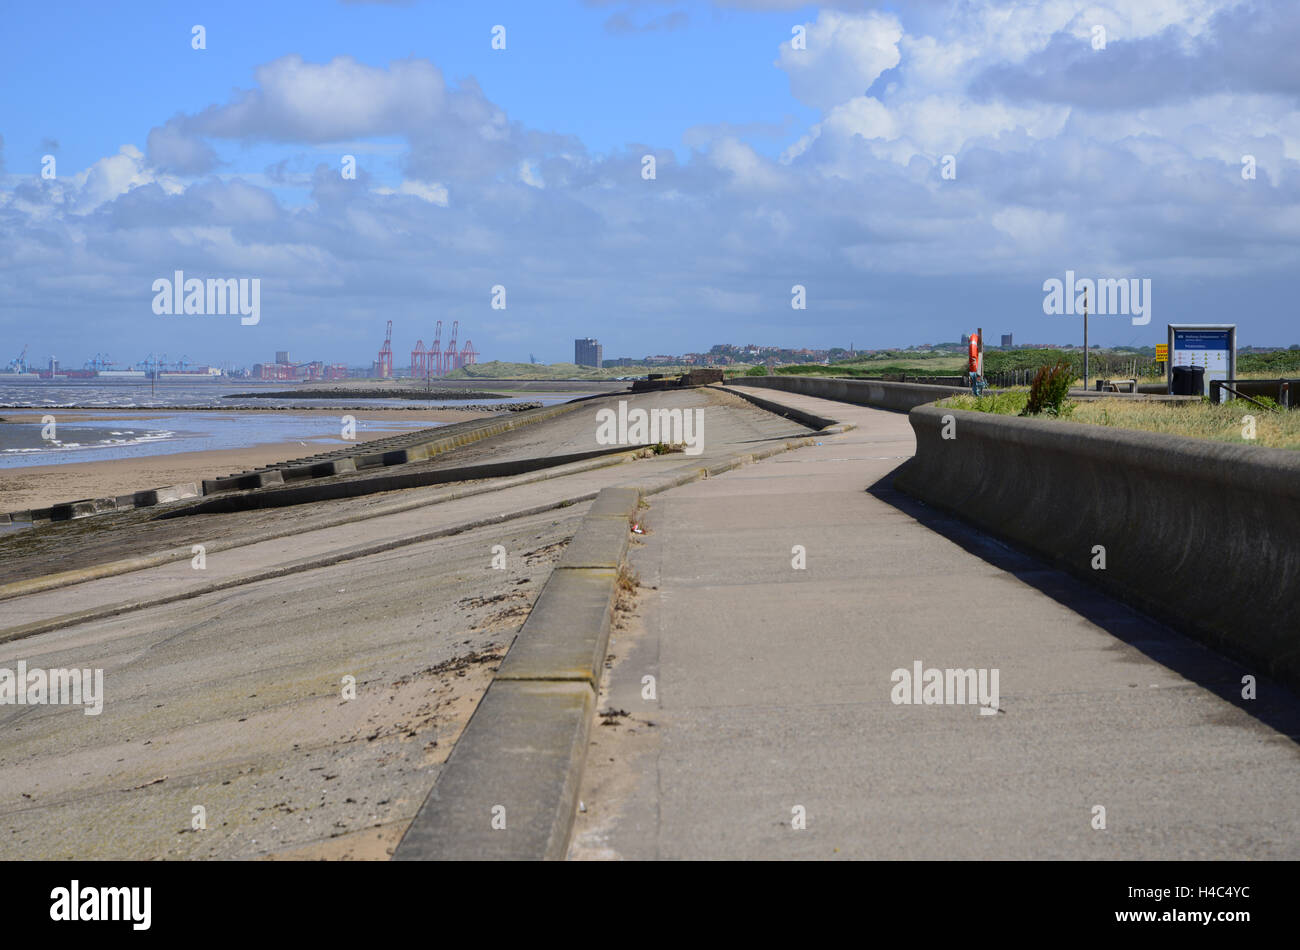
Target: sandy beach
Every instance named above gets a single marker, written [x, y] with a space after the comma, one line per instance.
[41, 485]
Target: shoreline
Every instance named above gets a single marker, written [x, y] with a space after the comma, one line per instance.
[446, 414]
[38, 486]
[475, 408]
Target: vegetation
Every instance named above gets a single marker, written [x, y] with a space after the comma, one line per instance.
[1121, 363]
[1203, 420]
[950, 368]
[1048, 391]
[497, 369]
[1273, 364]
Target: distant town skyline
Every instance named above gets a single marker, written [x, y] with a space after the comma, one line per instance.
[402, 365]
[745, 169]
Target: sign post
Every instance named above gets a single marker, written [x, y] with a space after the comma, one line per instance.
[1209, 345]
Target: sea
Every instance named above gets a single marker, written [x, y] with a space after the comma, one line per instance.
[109, 425]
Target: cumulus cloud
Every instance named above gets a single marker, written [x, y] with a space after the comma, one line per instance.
[430, 191]
[1243, 49]
[841, 56]
[297, 101]
[171, 149]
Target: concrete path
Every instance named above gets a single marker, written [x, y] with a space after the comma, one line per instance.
[772, 690]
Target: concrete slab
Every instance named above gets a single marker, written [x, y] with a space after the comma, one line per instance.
[509, 790]
[242, 482]
[565, 634]
[615, 502]
[599, 543]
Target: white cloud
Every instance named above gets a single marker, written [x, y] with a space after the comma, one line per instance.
[843, 56]
[430, 191]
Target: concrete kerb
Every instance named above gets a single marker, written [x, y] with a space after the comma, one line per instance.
[525, 746]
[530, 734]
[128, 565]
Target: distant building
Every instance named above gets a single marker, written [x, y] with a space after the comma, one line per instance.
[282, 356]
[1006, 340]
[588, 353]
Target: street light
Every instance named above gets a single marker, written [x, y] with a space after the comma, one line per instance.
[1085, 337]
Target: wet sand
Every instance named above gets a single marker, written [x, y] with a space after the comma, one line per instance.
[38, 486]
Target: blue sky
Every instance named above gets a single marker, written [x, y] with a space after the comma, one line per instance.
[775, 166]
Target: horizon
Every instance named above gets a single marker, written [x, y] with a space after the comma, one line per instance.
[401, 368]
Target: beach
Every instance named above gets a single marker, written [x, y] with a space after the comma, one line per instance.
[38, 486]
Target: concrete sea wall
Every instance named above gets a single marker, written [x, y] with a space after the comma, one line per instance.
[1205, 535]
[862, 392]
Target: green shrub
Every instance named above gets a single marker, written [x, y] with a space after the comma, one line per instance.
[756, 371]
[1048, 391]
[1280, 362]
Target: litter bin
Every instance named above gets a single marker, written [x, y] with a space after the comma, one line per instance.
[1188, 381]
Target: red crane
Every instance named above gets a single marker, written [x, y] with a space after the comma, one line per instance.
[469, 355]
[419, 360]
[385, 362]
[435, 352]
[449, 360]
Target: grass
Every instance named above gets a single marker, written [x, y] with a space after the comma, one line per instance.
[1224, 423]
[501, 370]
[938, 366]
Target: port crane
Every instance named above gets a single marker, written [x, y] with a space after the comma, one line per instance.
[449, 361]
[435, 352]
[385, 362]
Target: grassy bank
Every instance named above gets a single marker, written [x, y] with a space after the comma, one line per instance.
[497, 369]
[1225, 423]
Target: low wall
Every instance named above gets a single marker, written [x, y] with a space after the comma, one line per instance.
[862, 392]
[809, 419]
[1204, 535]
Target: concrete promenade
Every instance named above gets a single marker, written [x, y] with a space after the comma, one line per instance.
[773, 690]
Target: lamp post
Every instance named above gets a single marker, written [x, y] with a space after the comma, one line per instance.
[1085, 339]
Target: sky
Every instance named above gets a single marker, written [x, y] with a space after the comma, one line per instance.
[917, 168]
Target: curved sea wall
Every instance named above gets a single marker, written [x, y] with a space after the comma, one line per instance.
[1205, 535]
[862, 392]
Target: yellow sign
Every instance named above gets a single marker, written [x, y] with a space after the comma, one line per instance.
[1162, 352]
